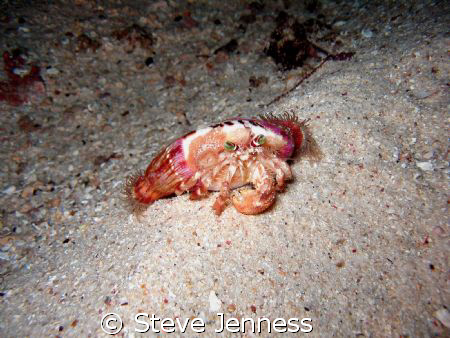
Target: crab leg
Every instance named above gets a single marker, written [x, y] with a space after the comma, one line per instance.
[281, 170]
[225, 190]
[198, 191]
[283, 173]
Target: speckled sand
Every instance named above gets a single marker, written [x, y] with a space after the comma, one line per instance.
[358, 242]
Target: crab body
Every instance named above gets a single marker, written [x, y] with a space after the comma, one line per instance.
[250, 153]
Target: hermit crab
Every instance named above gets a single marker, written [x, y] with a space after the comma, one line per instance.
[246, 153]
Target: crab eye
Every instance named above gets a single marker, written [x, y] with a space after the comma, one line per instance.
[258, 140]
[230, 146]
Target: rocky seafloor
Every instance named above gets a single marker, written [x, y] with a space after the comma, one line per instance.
[90, 91]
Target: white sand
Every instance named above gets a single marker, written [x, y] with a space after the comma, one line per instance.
[358, 242]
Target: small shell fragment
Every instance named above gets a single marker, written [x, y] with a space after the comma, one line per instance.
[426, 166]
[214, 302]
[443, 316]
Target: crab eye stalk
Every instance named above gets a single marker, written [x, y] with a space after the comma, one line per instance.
[230, 146]
[259, 140]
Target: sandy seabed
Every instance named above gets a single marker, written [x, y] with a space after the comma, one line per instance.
[358, 242]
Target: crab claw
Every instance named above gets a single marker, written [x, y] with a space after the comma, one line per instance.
[251, 201]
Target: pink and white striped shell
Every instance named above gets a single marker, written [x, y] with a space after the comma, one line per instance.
[249, 153]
